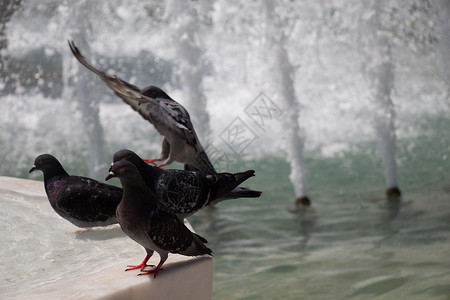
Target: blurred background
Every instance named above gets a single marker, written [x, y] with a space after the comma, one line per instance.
[334, 100]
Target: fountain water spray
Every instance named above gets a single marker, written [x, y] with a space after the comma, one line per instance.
[379, 70]
[187, 40]
[283, 76]
[7, 8]
[442, 10]
[79, 86]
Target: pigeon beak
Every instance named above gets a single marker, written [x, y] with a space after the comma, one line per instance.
[110, 167]
[32, 168]
[111, 175]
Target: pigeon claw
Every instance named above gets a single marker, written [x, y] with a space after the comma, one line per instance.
[161, 165]
[141, 267]
[151, 161]
[149, 272]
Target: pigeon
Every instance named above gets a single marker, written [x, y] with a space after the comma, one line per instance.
[150, 223]
[83, 201]
[180, 142]
[185, 192]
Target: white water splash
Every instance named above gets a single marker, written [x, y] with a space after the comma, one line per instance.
[379, 70]
[442, 10]
[187, 39]
[283, 76]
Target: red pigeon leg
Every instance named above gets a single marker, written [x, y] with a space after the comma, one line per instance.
[151, 161]
[143, 264]
[154, 271]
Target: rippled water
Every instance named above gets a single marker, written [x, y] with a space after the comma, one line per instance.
[351, 243]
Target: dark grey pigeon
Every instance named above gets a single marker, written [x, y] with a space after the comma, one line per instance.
[180, 142]
[83, 201]
[185, 192]
[148, 222]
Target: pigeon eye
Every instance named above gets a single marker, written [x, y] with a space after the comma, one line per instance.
[122, 170]
[42, 162]
[124, 158]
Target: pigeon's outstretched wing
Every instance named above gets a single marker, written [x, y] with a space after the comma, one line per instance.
[169, 117]
[118, 85]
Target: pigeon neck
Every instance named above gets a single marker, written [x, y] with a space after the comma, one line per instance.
[149, 173]
[140, 164]
[135, 191]
[55, 171]
[152, 172]
[133, 184]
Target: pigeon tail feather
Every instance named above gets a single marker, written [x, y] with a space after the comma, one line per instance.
[229, 182]
[239, 192]
[197, 247]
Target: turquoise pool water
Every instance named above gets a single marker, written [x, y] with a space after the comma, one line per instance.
[352, 242]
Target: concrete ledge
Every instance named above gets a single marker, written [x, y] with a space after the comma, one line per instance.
[181, 278]
[23, 186]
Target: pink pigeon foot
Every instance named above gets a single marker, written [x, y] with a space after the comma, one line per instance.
[141, 266]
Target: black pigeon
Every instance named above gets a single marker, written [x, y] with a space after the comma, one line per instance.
[180, 142]
[83, 201]
[148, 222]
[185, 192]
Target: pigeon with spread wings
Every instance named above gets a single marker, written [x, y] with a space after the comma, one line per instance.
[180, 142]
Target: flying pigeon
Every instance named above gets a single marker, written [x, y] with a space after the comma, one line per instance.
[180, 142]
[148, 222]
[84, 202]
[185, 192]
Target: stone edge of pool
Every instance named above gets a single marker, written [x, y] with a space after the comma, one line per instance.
[182, 277]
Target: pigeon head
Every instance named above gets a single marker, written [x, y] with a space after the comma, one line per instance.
[49, 165]
[155, 93]
[125, 171]
[128, 155]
